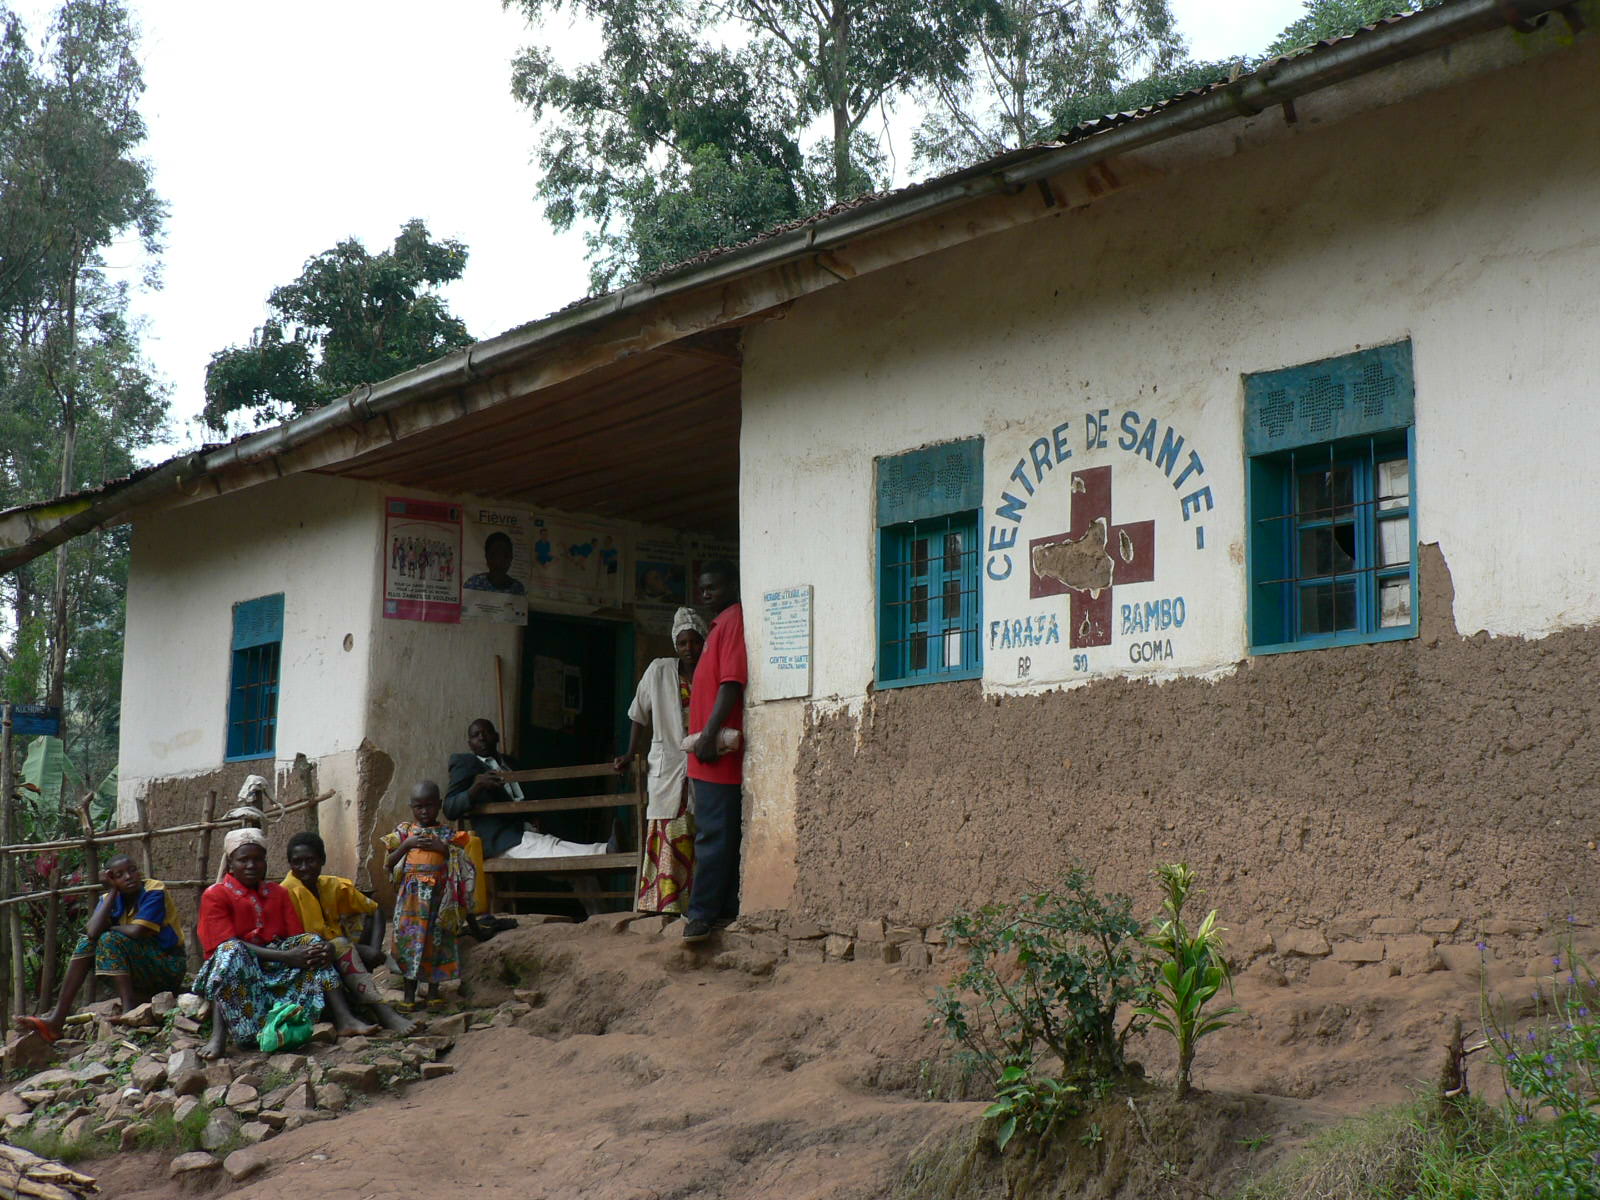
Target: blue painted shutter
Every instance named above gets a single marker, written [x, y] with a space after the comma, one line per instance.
[932, 482]
[1353, 395]
[258, 622]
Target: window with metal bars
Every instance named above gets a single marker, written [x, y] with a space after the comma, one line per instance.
[253, 685]
[1333, 542]
[928, 601]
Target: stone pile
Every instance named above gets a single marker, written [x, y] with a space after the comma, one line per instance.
[142, 1083]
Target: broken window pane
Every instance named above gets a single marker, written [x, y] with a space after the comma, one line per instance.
[1321, 492]
[1394, 484]
[952, 648]
[1394, 603]
[1328, 607]
[1327, 550]
[1394, 542]
[919, 603]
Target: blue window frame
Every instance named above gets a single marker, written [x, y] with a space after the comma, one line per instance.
[929, 600]
[1333, 546]
[253, 684]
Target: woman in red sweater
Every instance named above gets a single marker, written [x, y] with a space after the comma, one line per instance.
[257, 952]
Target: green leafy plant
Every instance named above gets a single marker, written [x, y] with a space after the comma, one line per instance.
[1191, 970]
[1030, 1103]
[1046, 973]
[1551, 1070]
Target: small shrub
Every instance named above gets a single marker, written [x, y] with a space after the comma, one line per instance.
[1189, 972]
[1029, 1103]
[1046, 974]
[1551, 1070]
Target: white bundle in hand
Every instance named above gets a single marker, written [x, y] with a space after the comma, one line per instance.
[728, 740]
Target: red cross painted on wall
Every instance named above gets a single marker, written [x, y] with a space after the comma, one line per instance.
[1091, 558]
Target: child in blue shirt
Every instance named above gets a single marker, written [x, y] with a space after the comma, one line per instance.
[130, 939]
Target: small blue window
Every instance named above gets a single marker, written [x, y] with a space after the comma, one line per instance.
[253, 686]
[928, 587]
[1332, 520]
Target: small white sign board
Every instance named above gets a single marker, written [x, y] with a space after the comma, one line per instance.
[786, 617]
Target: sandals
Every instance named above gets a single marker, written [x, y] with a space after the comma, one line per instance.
[39, 1026]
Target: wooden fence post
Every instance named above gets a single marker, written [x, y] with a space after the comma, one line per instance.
[7, 828]
[202, 873]
[52, 938]
[91, 874]
[147, 860]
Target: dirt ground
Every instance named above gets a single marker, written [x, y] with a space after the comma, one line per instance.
[652, 1072]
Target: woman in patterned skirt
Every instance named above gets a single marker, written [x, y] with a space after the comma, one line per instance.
[660, 712]
[257, 952]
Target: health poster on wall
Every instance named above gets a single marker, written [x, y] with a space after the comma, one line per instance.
[422, 560]
[660, 581]
[575, 561]
[497, 557]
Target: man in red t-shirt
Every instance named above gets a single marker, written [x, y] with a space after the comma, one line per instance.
[716, 704]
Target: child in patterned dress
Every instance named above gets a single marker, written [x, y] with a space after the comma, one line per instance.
[435, 878]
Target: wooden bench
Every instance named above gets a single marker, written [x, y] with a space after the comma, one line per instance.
[579, 866]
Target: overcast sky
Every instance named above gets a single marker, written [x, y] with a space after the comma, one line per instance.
[278, 130]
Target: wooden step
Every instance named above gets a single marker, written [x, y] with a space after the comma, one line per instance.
[625, 861]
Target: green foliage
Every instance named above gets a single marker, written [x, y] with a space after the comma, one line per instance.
[1406, 1153]
[1029, 1104]
[352, 317]
[1036, 58]
[1324, 19]
[678, 139]
[1191, 971]
[1047, 973]
[1552, 1077]
[77, 403]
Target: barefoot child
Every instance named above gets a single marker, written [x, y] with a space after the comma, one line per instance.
[435, 878]
[129, 939]
[331, 907]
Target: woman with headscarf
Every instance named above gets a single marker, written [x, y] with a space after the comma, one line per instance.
[258, 954]
[660, 711]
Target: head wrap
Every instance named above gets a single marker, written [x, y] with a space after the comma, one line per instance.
[235, 839]
[686, 618]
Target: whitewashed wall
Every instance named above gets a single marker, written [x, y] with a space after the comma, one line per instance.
[312, 538]
[1462, 220]
[1466, 219]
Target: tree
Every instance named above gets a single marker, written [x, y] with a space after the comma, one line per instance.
[1034, 58]
[71, 184]
[352, 317]
[680, 137]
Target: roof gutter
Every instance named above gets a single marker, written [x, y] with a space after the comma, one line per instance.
[1273, 84]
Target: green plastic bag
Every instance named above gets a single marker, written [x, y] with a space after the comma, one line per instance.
[286, 1027]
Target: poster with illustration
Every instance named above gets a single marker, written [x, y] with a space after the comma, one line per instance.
[660, 580]
[575, 560]
[422, 560]
[497, 555]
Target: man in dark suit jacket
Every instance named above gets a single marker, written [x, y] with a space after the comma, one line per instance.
[475, 780]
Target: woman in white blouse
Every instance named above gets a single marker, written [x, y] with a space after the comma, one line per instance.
[660, 712]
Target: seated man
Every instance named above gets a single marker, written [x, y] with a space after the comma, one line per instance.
[476, 779]
[130, 938]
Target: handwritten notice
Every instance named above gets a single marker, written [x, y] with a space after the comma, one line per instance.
[786, 618]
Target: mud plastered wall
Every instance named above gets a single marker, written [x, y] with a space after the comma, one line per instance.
[1440, 778]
